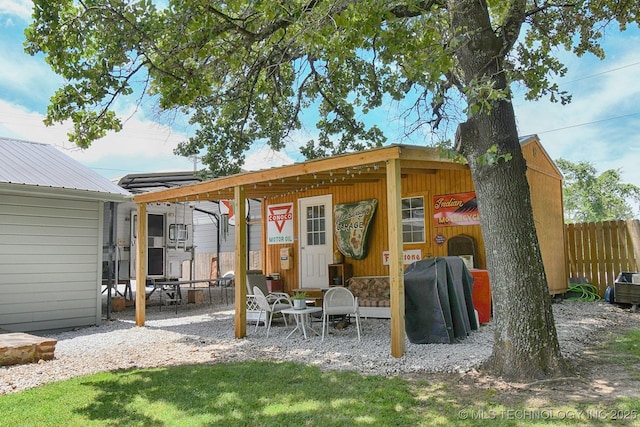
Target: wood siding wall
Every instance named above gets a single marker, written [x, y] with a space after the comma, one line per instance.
[421, 184]
[546, 193]
[50, 253]
[545, 182]
[599, 251]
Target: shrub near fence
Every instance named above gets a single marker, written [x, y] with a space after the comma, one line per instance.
[599, 251]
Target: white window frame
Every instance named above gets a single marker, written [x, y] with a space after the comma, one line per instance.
[412, 220]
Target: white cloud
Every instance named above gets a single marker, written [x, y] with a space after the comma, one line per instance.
[27, 76]
[602, 123]
[142, 145]
[265, 158]
[19, 8]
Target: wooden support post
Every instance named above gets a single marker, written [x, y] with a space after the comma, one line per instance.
[265, 261]
[240, 262]
[396, 271]
[141, 264]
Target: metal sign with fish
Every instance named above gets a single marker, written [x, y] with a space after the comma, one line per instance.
[455, 209]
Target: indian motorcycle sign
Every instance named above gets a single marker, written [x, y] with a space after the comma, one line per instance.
[455, 209]
[280, 224]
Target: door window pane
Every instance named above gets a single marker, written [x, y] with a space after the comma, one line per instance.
[316, 225]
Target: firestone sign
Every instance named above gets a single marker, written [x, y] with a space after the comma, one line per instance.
[408, 256]
[280, 224]
[455, 209]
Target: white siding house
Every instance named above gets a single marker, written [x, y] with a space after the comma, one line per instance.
[51, 237]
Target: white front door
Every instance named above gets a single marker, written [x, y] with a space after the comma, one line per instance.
[316, 240]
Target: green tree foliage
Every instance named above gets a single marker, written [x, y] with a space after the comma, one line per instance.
[246, 71]
[589, 197]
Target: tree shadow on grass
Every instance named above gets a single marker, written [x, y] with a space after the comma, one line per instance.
[248, 393]
[267, 393]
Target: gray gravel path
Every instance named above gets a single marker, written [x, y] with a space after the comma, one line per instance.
[205, 334]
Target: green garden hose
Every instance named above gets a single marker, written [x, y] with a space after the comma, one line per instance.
[585, 291]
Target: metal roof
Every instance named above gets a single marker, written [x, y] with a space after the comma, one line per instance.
[35, 165]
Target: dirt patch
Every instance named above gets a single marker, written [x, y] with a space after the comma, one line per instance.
[601, 377]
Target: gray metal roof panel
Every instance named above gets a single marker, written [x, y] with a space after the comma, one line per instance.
[42, 165]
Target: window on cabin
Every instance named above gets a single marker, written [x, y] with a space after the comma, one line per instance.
[413, 227]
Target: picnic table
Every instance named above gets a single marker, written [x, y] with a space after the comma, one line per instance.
[174, 293]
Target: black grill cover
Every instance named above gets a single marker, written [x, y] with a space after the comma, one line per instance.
[438, 301]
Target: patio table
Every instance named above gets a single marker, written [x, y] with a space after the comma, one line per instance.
[302, 319]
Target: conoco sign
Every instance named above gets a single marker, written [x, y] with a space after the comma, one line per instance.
[280, 224]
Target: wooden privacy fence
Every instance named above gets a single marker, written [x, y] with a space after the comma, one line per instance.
[599, 251]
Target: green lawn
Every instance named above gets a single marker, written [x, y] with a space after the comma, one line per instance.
[288, 394]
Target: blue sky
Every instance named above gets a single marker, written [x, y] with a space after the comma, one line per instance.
[601, 125]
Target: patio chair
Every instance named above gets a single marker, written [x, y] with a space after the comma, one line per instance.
[339, 301]
[255, 278]
[270, 308]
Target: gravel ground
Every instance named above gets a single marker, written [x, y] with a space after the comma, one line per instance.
[205, 334]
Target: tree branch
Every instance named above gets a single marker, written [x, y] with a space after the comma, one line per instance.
[547, 6]
[404, 11]
[327, 98]
[512, 24]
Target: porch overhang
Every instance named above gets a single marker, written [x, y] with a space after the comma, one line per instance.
[363, 166]
[387, 163]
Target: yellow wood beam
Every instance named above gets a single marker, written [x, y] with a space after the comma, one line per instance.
[396, 271]
[416, 152]
[241, 262]
[369, 157]
[354, 167]
[417, 164]
[141, 264]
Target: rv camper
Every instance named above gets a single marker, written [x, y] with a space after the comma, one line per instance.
[169, 241]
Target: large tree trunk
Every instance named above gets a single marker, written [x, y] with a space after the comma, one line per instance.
[525, 342]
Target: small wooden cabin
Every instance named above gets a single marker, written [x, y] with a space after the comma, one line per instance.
[447, 179]
[416, 193]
